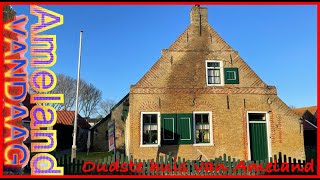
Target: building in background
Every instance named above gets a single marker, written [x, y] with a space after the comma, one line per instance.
[309, 118]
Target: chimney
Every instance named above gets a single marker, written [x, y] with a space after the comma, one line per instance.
[198, 15]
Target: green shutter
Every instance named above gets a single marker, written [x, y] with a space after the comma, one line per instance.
[168, 129]
[176, 129]
[231, 76]
[185, 128]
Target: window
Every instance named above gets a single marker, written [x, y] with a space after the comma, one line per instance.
[231, 76]
[214, 72]
[150, 128]
[203, 128]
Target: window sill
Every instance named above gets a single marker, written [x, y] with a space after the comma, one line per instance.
[213, 85]
[204, 144]
[150, 145]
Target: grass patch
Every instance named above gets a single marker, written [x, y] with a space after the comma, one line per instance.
[93, 155]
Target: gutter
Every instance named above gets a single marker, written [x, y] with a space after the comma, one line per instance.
[311, 124]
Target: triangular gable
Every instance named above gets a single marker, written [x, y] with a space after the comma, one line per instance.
[177, 64]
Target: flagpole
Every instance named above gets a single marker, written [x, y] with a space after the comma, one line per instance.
[74, 145]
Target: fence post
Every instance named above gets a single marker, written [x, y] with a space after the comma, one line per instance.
[66, 164]
[295, 162]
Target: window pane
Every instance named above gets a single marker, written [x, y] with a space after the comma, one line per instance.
[230, 75]
[216, 72]
[146, 119]
[199, 126]
[206, 135]
[210, 72]
[154, 137]
[205, 126]
[154, 119]
[146, 137]
[216, 80]
[202, 136]
[210, 80]
[146, 128]
[213, 64]
[205, 118]
[198, 118]
[153, 127]
[197, 136]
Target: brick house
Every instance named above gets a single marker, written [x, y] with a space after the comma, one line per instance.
[99, 131]
[201, 99]
[309, 119]
[64, 127]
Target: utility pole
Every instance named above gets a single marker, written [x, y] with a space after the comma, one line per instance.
[74, 145]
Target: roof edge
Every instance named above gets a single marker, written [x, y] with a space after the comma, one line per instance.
[115, 106]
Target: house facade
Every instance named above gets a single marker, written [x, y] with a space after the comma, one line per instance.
[99, 135]
[201, 99]
[308, 117]
[99, 132]
[65, 126]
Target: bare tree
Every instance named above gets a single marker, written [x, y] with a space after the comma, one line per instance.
[8, 13]
[105, 106]
[89, 99]
[89, 95]
[65, 85]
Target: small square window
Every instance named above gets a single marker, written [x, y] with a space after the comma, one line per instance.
[231, 76]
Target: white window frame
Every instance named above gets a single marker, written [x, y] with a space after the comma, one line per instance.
[221, 73]
[141, 130]
[194, 128]
[267, 121]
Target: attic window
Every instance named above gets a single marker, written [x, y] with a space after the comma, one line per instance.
[214, 73]
[231, 76]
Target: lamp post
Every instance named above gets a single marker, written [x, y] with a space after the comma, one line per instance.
[74, 145]
[301, 120]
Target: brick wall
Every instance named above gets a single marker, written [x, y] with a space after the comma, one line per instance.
[99, 140]
[177, 84]
[120, 127]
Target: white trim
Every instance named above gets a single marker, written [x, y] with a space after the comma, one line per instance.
[172, 128]
[194, 128]
[189, 129]
[141, 130]
[257, 121]
[221, 73]
[267, 121]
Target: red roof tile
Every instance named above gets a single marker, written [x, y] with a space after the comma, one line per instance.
[301, 111]
[67, 117]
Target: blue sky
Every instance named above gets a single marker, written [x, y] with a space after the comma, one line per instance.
[121, 43]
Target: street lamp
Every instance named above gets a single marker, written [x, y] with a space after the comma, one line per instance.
[300, 122]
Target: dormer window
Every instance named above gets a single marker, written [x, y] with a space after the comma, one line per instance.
[214, 73]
